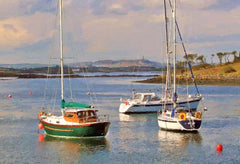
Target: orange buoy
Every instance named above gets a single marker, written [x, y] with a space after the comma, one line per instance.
[219, 148]
[30, 93]
[126, 103]
[40, 126]
[41, 137]
[9, 96]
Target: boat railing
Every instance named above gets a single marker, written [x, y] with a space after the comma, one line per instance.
[190, 96]
[99, 118]
[147, 90]
[103, 118]
[123, 100]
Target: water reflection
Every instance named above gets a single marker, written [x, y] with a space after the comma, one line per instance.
[137, 117]
[72, 148]
[178, 139]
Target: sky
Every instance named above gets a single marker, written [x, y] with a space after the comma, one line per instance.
[113, 29]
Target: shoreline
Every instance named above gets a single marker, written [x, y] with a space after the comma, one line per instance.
[35, 76]
[200, 80]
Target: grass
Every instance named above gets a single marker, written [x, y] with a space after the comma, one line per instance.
[221, 74]
[227, 69]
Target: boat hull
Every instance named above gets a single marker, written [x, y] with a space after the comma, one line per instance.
[96, 129]
[180, 125]
[155, 107]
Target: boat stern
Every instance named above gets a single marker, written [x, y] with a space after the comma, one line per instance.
[190, 125]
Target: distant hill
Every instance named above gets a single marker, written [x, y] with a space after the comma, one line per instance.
[120, 63]
[23, 66]
[100, 63]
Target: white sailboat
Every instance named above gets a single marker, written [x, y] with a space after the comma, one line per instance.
[149, 102]
[76, 119]
[176, 117]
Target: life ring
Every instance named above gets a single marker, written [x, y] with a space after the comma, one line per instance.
[182, 116]
[198, 115]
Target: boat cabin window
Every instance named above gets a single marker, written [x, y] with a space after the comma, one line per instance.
[81, 114]
[87, 116]
[168, 115]
[91, 113]
[68, 115]
[137, 96]
[155, 98]
[147, 98]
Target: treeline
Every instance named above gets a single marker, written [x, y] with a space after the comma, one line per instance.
[223, 57]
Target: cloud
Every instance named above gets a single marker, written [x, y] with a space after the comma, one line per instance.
[117, 9]
[12, 35]
[156, 18]
[141, 31]
[9, 27]
[140, 36]
[12, 8]
[19, 31]
[150, 3]
[201, 23]
[115, 29]
[202, 4]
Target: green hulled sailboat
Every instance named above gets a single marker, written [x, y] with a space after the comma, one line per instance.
[76, 119]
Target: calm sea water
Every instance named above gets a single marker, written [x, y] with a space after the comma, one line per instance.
[131, 138]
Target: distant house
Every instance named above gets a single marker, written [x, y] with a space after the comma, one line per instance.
[2, 70]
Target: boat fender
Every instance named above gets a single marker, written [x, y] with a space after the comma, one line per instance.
[198, 115]
[40, 126]
[41, 113]
[182, 116]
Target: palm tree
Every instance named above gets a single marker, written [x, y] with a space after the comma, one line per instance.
[227, 55]
[235, 55]
[191, 58]
[201, 59]
[220, 56]
[212, 56]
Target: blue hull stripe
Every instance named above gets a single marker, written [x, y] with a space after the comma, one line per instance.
[167, 104]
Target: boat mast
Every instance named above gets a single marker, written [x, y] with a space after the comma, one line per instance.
[168, 76]
[174, 53]
[61, 48]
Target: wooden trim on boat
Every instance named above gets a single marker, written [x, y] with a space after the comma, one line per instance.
[62, 130]
[59, 125]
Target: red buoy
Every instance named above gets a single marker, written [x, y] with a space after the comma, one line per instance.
[9, 96]
[219, 148]
[126, 102]
[41, 137]
[30, 93]
[40, 126]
